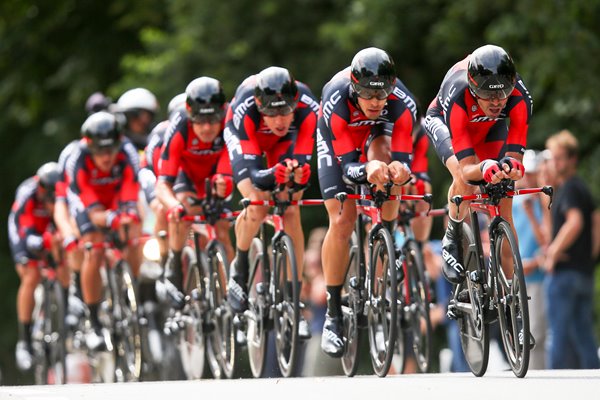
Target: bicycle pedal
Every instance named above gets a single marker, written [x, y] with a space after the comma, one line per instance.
[261, 288]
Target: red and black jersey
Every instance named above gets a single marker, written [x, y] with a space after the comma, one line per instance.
[470, 129]
[346, 127]
[182, 149]
[92, 187]
[28, 214]
[62, 184]
[249, 138]
[420, 163]
[155, 143]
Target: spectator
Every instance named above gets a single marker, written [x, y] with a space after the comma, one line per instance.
[570, 286]
[527, 217]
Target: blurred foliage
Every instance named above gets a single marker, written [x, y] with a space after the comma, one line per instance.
[55, 54]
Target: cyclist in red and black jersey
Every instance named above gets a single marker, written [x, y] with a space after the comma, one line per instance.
[103, 195]
[270, 136]
[194, 150]
[31, 235]
[364, 136]
[468, 125]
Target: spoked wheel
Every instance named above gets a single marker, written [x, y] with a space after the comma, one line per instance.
[128, 342]
[382, 311]
[257, 314]
[48, 337]
[474, 331]
[513, 310]
[286, 306]
[192, 345]
[352, 310]
[220, 349]
[418, 308]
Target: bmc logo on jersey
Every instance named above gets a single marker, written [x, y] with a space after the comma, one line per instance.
[498, 86]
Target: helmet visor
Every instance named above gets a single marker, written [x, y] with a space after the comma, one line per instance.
[369, 93]
[275, 111]
[207, 115]
[501, 94]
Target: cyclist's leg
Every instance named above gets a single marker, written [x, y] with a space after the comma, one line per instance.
[160, 224]
[29, 276]
[421, 226]
[222, 230]
[133, 252]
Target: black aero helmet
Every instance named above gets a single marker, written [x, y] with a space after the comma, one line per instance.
[373, 73]
[205, 100]
[491, 72]
[48, 175]
[276, 92]
[103, 131]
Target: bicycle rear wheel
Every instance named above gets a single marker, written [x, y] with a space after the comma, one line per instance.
[474, 331]
[513, 310]
[192, 342]
[127, 336]
[257, 314]
[286, 305]
[382, 311]
[352, 311]
[420, 325]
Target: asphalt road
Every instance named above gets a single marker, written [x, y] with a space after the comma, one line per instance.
[537, 385]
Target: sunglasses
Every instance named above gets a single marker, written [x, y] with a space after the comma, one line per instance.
[492, 94]
[101, 151]
[368, 93]
[275, 111]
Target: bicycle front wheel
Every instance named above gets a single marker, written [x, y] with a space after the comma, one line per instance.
[474, 331]
[286, 305]
[192, 342]
[257, 313]
[418, 307]
[128, 342]
[513, 310]
[382, 311]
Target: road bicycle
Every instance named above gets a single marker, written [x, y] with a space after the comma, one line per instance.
[48, 327]
[371, 289]
[120, 309]
[494, 290]
[274, 288]
[207, 333]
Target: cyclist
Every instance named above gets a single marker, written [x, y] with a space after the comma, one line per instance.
[139, 106]
[97, 102]
[149, 169]
[194, 150]
[467, 124]
[272, 118]
[364, 135]
[32, 236]
[103, 196]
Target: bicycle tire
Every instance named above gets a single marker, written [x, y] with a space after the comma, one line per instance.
[420, 322]
[257, 332]
[512, 302]
[382, 308]
[49, 340]
[352, 311]
[474, 331]
[192, 341]
[126, 328]
[286, 305]
[220, 349]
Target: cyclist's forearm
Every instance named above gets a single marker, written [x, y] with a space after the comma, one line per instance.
[166, 195]
[263, 179]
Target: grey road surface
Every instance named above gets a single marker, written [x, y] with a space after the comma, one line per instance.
[537, 385]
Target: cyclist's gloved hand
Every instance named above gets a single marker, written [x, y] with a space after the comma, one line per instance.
[281, 171]
[223, 185]
[175, 213]
[70, 243]
[302, 174]
[489, 168]
[515, 167]
[113, 219]
[37, 243]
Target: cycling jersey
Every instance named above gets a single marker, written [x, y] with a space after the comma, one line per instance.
[28, 216]
[90, 187]
[344, 132]
[420, 163]
[185, 155]
[150, 160]
[62, 184]
[249, 139]
[456, 125]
